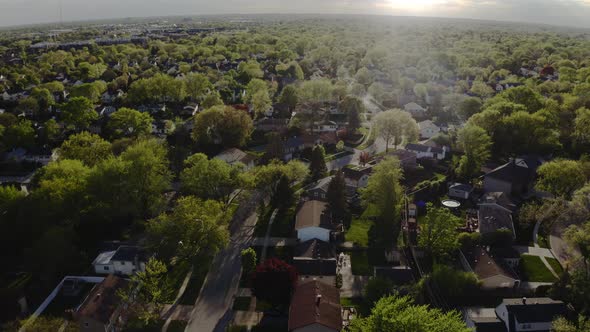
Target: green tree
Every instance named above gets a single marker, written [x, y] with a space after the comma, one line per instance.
[86, 147]
[454, 283]
[438, 233]
[578, 237]
[9, 197]
[384, 189]
[353, 107]
[336, 196]
[561, 177]
[129, 122]
[197, 86]
[195, 230]
[582, 125]
[476, 144]
[400, 314]
[248, 260]
[317, 164]
[289, 96]
[19, 135]
[78, 112]
[267, 177]
[561, 324]
[222, 125]
[468, 107]
[394, 125]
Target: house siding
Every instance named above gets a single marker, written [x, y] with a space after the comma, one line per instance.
[309, 233]
[494, 185]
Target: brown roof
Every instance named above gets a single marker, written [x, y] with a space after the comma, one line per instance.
[103, 300]
[313, 214]
[315, 249]
[315, 303]
[484, 265]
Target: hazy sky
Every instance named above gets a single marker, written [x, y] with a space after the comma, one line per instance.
[557, 12]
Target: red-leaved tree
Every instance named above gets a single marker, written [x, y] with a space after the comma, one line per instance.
[274, 281]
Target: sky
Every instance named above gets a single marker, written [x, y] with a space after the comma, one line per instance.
[555, 12]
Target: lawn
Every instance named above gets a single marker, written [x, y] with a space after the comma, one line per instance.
[242, 303]
[532, 269]
[354, 302]
[555, 265]
[194, 285]
[358, 232]
[362, 261]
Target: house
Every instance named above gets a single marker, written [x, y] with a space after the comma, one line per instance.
[406, 158]
[460, 190]
[495, 213]
[314, 258]
[325, 127]
[357, 177]
[414, 109]
[428, 129]
[234, 155]
[490, 273]
[313, 221]
[315, 306]
[102, 311]
[126, 260]
[483, 320]
[293, 145]
[319, 189]
[530, 314]
[424, 151]
[271, 124]
[514, 178]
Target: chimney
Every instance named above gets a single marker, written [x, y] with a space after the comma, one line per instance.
[318, 299]
[524, 300]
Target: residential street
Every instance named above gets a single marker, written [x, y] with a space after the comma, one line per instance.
[212, 309]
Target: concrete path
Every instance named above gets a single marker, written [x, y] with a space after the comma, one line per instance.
[534, 251]
[352, 286]
[212, 310]
[267, 235]
[168, 313]
[543, 258]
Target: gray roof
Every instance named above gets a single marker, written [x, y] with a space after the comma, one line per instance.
[493, 218]
[535, 310]
[129, 254]
[321, 184]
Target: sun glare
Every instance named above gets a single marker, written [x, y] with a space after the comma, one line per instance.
[414, 5]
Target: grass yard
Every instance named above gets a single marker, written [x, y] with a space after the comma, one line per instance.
[354, 302]
[242, 303]
[555, 265]
[358, 232]
[362, 261]
[532, 269]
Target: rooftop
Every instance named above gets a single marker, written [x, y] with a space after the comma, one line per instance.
[315, 303]
[313, 214]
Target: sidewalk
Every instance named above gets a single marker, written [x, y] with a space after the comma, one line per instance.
[171, 311]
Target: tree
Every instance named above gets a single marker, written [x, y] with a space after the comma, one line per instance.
[578, 237]
[476, 144]
[526, 96]
[197, 86]
[211, 179]
[20, 135]
[453, 283]
[50, 132]
[289, 96]
[9, 196]
[86, 147]
[395, 124]
[561, 177]
[316, 91]
[248, 260]
[582, 125]
[561, 324]
[275, 149]
[148, 291]
[336, 196]
[377, 288]
[78, 112]
[267, 177]
[274, 281]
[468, 107]
[148, 174]
[212, 99]
[41, 324]
[257, 95]
[129, 122]
[400, 314]
[353, 107]
[249, 70]
[522, 132]
[195, 230]
[222, 125]
[283, 196]
[317, 164]
[384, 190]
[438, 233]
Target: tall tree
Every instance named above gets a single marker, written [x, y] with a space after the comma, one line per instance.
[438, 234]
[384, 189]
[222, 125]
[476, 144]
[289, 96]
[561, 177]
[317, 165]
[336, 196]
[129, 122]
[78, 112]
[353, 107]
[394, 125]
[86, 147]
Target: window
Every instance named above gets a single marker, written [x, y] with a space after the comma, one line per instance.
[122, 263]
[106, 268]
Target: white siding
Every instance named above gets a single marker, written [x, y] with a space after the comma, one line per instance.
[104, 268]
[309, 233]
[532, 326]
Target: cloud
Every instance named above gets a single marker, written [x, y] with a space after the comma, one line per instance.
[558, 12]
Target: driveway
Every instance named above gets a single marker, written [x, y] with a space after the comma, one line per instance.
[212, 311]
[352, 286]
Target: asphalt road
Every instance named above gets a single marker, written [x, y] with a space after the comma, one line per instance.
[212, 311]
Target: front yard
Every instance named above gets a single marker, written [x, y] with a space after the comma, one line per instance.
[532, 269]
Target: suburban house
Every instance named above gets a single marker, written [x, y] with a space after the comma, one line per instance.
[424, 151]
[490, 273]
[313, 221]
[326, 126]
[483, 320]
[126, 260]
[234, 155]
[314, 258]
[460, 190]
[101, 311]
[357, 177]
[315, 306]
[428, 129]
[406, 158]
[530, 314]
[414, 109]
[293, 145]
[495, 213]
[319, 189]
[514, 178]
[271, 124]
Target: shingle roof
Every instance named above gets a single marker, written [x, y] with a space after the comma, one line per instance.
[321, 184]
[537, 309]
[315, 303]
[103, 300]
[492, 218]
[314, 249]
[315, 267]
[129, 254]
[313, 214]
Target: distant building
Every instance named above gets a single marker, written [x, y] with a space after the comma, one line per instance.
[414, 109]
[514, 178]
[234, 155]
[407, 158]
[102, 310]
[126, 260]
[428, 129]
[319, 189]
[313, 221]
[424, 151]
[357, 177]
[530, 314]
[315, 307]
